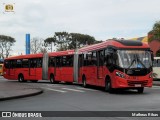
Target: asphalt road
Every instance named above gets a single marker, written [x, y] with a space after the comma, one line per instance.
[65, 97]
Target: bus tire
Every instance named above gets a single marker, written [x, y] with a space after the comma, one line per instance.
[21, 78]
[84, 82]
[108, 86]
[140, 90]
[52, 79]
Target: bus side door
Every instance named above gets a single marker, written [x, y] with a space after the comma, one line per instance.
[100, 63]
[32, 69]
[58, 69]
[67, 68]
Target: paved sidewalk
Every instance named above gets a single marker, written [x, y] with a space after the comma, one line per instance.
[13, 90]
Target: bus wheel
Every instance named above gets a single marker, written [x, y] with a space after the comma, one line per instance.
[84, 82]
[108, 86]
[140, 90]
[21, 78]
[52, 79]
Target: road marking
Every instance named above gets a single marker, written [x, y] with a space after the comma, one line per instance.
[86, 89]
[55, 90]
[75, 90]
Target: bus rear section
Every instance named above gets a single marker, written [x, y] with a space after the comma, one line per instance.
[116, 65]
[23, 68]
[1, 69]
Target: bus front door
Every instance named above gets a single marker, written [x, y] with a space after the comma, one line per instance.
[100, 67]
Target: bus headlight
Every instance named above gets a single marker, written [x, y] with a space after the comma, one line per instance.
[151, 75]
[120, 74]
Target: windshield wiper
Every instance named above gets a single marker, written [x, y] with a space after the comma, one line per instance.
[134, 60]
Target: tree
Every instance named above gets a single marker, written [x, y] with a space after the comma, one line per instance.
[154, 34]
[6, 42]
[65, 40]
[62, 40]
[79, 40]
[38, 46]
[49, 41]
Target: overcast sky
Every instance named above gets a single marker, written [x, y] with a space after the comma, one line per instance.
[102, 19]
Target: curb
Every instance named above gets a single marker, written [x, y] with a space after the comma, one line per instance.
[40, 91]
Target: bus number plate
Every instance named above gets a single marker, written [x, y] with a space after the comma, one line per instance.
[138, 85]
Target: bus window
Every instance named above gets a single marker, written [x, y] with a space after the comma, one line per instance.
[13, 64]
[51, 62]
[25, 63]
[100, 58]
[67, 61]
[33, 63]
[19, 64]
[6, 64]
[39, 62]
[58, 61]
[94, 58]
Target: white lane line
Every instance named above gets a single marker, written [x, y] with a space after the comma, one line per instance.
[75, 90]
[86, 89]
[55, 90]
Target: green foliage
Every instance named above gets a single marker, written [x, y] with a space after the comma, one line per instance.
[6, 42]
[65, 40]
[155, 32]
[158, 53]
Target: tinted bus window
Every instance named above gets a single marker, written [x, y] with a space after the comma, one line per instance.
[58, 61]
[67, 61]
[39, 62]
[93, 59]
[33, 63]
[19, 64]
[6, 64]
[100, 58]
[25, 63]
[51, 62]
[13, 64]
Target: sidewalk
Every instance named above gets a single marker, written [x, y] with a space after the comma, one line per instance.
[13, 90]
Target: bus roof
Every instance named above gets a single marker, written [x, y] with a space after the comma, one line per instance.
[119, 44]
[60, 53]
[25, 56]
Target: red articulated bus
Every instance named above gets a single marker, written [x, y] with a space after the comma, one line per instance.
[111, 64]
[116, 64]
[24, 67]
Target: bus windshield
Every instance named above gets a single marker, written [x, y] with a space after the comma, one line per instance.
[134, 59]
